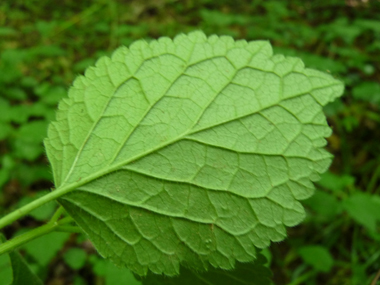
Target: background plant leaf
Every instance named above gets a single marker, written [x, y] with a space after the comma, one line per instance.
[5, 266]
[193, 150]
[364, 209]
[111, 273]
[46, 247]
[317, 256]
[255, 273]
[20, 270]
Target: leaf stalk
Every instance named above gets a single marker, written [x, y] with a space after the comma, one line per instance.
[19, 213]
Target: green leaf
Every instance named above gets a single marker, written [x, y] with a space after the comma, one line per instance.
[245, 273]
[194, 150]
[20, 270]
[5, 266]
[335, 182]
[367, 91]
[364, 209]
[45, 248]
[325, 204]
[317, 256]
[16, 93]
[29, 174]
[5, 31]
[368, 24]
[5, 130]
[29, 136]
[5, 113]
[50, 95]
[75, 258]
[112, 274]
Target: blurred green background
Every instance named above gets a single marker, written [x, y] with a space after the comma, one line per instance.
[45, 44]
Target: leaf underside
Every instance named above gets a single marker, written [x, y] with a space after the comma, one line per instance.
[194, 150]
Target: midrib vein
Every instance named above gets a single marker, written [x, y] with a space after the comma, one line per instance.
[185, 135]
[109, 169]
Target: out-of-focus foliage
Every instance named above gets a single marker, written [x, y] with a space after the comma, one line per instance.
[44, 46]
[17, 272]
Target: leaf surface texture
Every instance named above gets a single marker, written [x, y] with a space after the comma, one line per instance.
[194, 150]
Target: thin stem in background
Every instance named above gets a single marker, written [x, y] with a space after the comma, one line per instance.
[374, 281]
[57, 215]
[69, 229]
[33, 234]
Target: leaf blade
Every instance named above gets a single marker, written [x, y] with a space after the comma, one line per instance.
[195, 150]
